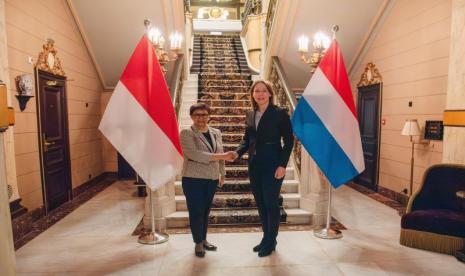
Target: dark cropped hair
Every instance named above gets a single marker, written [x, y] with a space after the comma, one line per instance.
[199, 106]
[268, 86]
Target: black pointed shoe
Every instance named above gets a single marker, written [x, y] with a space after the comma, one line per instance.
[208, 246]
[199, 251]
[259, 246]
[267, 250]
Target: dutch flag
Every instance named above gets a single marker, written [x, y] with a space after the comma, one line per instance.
[325, 120]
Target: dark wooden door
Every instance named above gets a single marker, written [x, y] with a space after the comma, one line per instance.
[369, 117]
[53, 139]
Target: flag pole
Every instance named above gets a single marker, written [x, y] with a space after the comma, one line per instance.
[327, 232]
[152, 236]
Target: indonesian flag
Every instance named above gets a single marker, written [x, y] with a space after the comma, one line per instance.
[140, 121]
[325, 120]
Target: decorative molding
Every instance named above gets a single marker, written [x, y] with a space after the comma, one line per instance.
[48, 60]
[10, 191]
[370, 75]
[454, 118]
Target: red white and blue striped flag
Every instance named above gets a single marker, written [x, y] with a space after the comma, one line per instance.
[325, 120]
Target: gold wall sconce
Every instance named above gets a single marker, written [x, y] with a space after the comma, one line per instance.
[320, 44]
[158, 42]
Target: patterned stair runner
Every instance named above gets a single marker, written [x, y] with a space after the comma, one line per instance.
[224, 79]
[224, 82]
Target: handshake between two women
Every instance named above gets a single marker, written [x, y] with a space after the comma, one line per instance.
[229, 156]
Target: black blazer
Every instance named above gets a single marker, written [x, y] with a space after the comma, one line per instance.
[274, 125]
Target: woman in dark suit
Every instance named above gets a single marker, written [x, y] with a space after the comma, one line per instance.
[266, 126]
[203, 170]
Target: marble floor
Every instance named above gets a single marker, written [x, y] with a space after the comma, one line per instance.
[96, 240]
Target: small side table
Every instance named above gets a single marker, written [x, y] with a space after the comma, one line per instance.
[460, 255]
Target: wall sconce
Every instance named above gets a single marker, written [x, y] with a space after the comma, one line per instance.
[158, 42]
[411, 128]
[25, 89]
[320, 43]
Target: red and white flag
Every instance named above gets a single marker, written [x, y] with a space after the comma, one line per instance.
[140, 121]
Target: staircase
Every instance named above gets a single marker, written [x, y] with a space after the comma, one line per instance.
[223, 82]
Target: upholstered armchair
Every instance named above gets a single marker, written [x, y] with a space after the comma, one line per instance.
[435, 217]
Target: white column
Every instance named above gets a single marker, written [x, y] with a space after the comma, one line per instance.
[8, 139]
[163, 204]
[313, 191]
[454, 137]
[7, 252]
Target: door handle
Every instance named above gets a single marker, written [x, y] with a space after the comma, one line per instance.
[47, 144]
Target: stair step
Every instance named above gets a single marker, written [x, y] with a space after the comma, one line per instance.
[220, 119]
[241, 172]
[227, 103]
[213, 82]
[238, 217]
[232, 138]
[218, 88]
[233, 76]
[241, 186]
[238, 201]
[228, 111]
[224, 96]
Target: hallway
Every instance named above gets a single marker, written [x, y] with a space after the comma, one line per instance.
[96, 240]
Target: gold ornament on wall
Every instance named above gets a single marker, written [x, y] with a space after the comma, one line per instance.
[10, 191]
[48, 60]
[370, 76]
[215, 12]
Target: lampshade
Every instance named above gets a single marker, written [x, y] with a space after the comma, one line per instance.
[411, 128]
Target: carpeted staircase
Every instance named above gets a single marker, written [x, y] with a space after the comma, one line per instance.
[221, 78]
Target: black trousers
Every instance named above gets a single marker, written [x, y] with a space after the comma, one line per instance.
[199, 196]
[266, 188]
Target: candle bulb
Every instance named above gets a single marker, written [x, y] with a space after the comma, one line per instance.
[176, 40]
[321, 41]
[161, 42]
[154, 35]
[303, 44]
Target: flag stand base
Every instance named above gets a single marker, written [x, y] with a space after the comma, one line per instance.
[327, 233]
[152, 238]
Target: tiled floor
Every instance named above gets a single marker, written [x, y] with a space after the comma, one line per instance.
[96, 240]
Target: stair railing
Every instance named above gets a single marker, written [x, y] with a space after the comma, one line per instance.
[177, 83]
[285, 98]
[251, 7]
[269, 20]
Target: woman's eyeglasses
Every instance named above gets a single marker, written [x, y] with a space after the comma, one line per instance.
[200, 115]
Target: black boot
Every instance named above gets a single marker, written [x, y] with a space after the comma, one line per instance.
[259, 246]
[267, 249]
